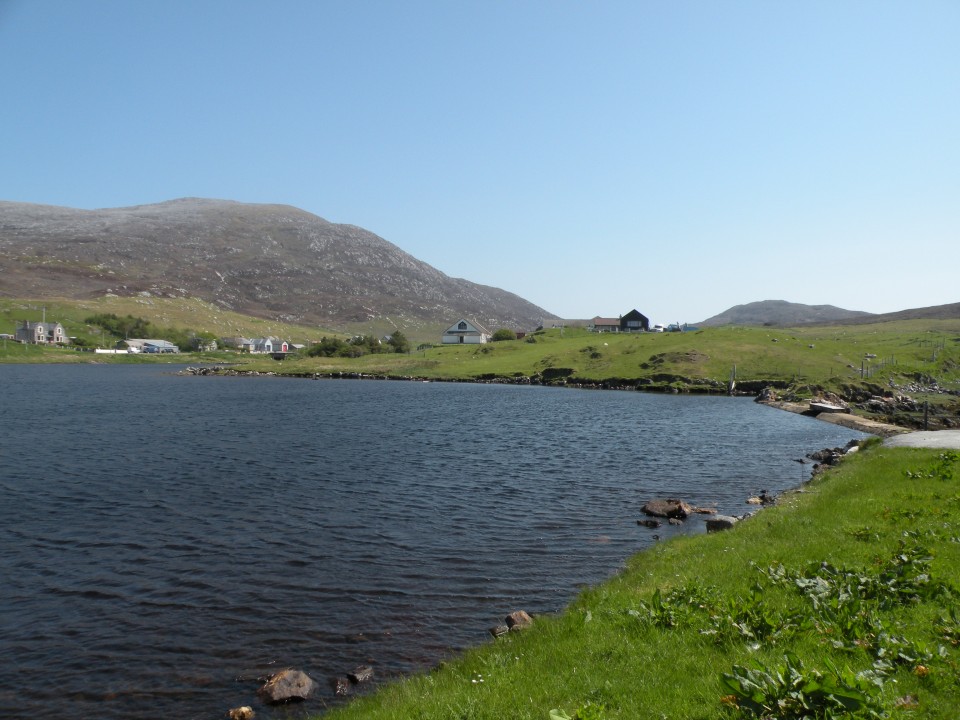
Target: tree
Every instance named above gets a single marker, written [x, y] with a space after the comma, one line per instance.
[398, 341]
[504, 334]
[329, 347]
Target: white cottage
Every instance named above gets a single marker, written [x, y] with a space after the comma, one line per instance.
[466, 333]
[270, 345]
[41, 333]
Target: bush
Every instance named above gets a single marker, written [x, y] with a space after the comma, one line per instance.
[503, 334]
[329, 347]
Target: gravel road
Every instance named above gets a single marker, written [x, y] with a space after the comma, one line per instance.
[945, 439]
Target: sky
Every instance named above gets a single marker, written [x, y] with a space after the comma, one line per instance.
[675, 157]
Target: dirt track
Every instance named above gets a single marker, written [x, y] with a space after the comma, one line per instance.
[937, 439]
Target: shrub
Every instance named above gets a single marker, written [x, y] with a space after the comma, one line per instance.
[398, 341]
[503, 334]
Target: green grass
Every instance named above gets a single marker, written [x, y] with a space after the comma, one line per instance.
[705, 357]
[657, 640]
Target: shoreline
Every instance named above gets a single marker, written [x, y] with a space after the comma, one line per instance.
[847, 420]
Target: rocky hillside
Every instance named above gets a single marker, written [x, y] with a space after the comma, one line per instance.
[270, 261]
[783, 313]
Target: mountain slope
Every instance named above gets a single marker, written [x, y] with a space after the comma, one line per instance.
[271, 261]
[781, 312]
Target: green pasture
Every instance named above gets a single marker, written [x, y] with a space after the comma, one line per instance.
[835, 603]
[829, 356]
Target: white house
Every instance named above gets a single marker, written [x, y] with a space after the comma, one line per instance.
[466, 333]
[270, 345]
[41, 333]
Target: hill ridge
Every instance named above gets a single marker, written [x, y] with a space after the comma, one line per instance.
[265, 259]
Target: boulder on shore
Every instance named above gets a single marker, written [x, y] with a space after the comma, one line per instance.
[499, 630]
[720, 522]
[518, 620]
[287, 686]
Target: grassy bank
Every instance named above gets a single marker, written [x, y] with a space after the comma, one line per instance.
[836, 600]
[704, 358]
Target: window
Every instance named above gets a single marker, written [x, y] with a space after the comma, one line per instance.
[462, 326]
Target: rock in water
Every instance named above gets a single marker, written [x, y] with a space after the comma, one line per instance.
[341, 686]
[361, 674]
[241, 713]
[670, 508]
[286, 686]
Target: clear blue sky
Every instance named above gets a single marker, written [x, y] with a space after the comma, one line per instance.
[677, 157]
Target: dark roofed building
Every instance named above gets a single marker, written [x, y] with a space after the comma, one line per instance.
[634, 321]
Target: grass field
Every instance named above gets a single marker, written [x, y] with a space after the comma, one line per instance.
[705, 357]
[834, 603]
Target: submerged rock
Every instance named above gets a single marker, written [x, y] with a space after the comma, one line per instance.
[340, 685]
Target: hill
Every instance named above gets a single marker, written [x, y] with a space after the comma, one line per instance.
[785, 314]
[935, 312]
[269, 261]
[781, 313]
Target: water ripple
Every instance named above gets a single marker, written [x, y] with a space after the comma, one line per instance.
[195, 534]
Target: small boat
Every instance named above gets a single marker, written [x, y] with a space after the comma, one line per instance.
[825, 407]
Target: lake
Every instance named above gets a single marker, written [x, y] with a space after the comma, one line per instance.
[168, 540]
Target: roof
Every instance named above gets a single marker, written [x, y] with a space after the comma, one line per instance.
[474, 325]
[605, 321]
[141, 342]
[39, 323]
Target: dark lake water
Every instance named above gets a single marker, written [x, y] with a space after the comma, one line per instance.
[165, 541]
